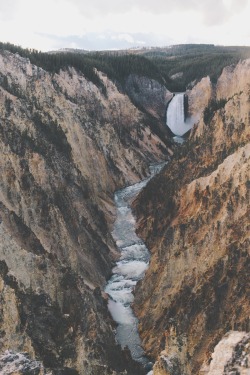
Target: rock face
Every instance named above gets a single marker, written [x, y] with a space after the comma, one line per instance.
[198, 98]
[231, 355]
[18, 364]
[194, 218]
[64, 148]
[149, 94]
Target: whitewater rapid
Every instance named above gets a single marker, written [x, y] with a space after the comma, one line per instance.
[130, 268]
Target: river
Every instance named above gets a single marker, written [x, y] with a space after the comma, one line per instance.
[128, 270]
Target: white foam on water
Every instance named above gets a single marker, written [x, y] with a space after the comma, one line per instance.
[121, 291]
[128, 270]
[123, 296]
[119, 285]
[178, 139]
[120, 313]
[131, 270]
[136, 251]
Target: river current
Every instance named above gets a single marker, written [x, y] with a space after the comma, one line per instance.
[130, 268]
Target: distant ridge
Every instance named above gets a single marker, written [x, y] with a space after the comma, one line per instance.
[70, 50]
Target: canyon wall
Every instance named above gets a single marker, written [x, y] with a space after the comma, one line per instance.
[65, 146]
[149, 94]
[198, 98]
[194, 218]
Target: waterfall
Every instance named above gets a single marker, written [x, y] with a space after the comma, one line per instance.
[176, 115]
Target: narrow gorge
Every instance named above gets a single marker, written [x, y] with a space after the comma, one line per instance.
[196, 289]
[66, 146]
[134, 255]
[130, 268]
[122, 251]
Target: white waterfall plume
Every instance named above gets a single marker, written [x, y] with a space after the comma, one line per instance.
[176, 116]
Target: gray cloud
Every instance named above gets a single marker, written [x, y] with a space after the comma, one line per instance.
[8, 8]
[212, 11]
[238, 5]
[215, 12]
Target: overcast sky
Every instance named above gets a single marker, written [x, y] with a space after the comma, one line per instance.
[110, 24]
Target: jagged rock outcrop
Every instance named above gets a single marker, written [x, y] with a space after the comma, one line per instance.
[149, 94]
[194, 218]
[198, 98]
[65, 146]
[19, 364]
[231, 355]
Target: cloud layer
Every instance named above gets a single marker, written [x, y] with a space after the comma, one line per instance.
[111, 41]
[110, 24]
[212, 11]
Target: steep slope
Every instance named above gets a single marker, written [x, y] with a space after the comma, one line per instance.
[184, 64]
[66, 145]
[231, 355]
[198, 98]
[195, 219]
[148, 94]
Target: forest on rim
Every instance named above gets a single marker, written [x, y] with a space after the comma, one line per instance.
[176, 67]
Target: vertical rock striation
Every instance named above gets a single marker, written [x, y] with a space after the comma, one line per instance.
[197, 228]
[64, 148]
[198, 98]
[149, 94]
[231, 355]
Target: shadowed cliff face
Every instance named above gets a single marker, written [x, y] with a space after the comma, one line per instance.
[197, 228]
[64, 148]
[149, 94]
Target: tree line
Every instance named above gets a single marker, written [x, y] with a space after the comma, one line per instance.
[117, 67]
[191, 61]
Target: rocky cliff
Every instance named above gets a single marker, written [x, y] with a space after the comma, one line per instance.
[149, 94]
[194, 217]
[198, 98]
[65, 146]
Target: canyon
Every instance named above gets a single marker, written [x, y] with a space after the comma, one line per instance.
[65, 148]
[67, 144]
[196, 226]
